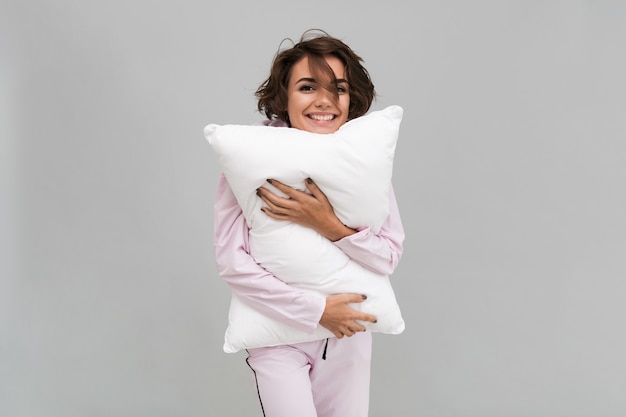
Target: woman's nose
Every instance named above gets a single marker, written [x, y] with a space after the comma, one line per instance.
[324, 98]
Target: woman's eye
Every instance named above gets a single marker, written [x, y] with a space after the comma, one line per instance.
[306, 88]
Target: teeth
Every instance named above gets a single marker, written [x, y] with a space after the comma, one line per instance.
[324, 117]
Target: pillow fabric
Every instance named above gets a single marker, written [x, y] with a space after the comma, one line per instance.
[353, 167]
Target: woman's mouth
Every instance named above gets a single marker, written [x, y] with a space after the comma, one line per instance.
[322, 117]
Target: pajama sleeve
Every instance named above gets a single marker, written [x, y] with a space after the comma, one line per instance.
[379, 252]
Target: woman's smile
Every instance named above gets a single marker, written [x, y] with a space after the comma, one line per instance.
[322, 117]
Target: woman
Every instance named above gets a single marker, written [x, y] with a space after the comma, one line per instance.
[316, 86]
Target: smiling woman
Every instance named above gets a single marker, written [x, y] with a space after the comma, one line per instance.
[314, 64]
[314, 87]
[316, 105]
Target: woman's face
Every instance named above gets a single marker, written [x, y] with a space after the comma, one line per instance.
[312, 108]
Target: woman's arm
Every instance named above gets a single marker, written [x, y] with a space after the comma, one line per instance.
[259, 288]
[265, 292]
[379, 252]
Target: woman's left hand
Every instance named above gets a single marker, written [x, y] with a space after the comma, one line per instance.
[309, 210]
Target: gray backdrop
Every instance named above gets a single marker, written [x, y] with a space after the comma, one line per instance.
[509, 173]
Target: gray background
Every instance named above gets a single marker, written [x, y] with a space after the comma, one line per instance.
[509, 173]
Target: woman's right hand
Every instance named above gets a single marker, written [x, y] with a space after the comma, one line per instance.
[340, 318]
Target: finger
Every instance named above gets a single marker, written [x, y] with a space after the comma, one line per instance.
[275, 202]
[354, 329]
[273, 215]
[272, 206]
[357, 327]
[315, 190]
[295, 194]
[290, 191]
[352, 297]
[367, 318]
[359, 298]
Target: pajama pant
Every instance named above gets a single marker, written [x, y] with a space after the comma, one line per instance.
[324, 378]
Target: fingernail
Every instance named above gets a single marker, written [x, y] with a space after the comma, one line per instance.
[258, 192]
[270, 181]
[309, 180]
[363, 296]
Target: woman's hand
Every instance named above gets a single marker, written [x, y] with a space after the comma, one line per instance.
[340, 318]
[309, 210]
[315, 211]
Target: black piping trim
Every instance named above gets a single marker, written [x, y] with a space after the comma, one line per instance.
[325, 349]
[256, 381]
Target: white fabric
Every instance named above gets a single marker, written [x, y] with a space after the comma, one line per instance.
[353, 167]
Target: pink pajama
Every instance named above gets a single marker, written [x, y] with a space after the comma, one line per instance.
[296, 380]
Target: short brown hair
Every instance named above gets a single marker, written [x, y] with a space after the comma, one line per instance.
[272, 94]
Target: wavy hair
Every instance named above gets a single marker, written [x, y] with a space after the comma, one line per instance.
[272, 93]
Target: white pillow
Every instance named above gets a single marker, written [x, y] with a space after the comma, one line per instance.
[353, 167]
